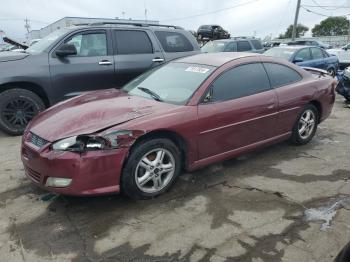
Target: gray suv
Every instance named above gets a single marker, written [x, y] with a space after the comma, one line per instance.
[237, 44]
[82, 58]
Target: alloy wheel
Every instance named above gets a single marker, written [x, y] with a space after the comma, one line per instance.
[18, 112]
[306, 124]
[155, 170]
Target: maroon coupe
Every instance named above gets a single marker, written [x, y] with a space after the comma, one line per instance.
[186, 114]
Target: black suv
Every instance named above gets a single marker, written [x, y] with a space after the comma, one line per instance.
[212, 32]
[82, 58]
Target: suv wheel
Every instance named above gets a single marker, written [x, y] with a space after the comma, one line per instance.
[306, 125]
[151, 169]
[17, 108]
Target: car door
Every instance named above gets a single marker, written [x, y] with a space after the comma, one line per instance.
[240, 109]
[135, 52]
[291, 92]
[303, 57]
[318, 60]
[90, 69]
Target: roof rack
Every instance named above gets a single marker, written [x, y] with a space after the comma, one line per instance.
[134, 24]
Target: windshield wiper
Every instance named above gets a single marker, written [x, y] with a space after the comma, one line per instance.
[154, 95]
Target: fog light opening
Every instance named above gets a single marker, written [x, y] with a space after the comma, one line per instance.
[58, 182]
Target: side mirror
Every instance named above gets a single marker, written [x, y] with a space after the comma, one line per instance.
[298, 60]
[66, 50]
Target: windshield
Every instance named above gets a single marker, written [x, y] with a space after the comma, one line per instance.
[45, 42]
[213, 47]
[172, 83]
[285, 53]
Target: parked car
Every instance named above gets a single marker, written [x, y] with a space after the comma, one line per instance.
[343, 55]
[82, 58]
[212, 32]
[234, 45]
[343, 86]
[186, 114]
[309, 56]
[310, 43]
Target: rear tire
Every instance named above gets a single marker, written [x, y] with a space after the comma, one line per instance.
[148, 172]
[305, 126]
[17, 108]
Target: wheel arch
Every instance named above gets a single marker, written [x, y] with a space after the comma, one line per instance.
[318, 106]
[173, 136]
[35, 88]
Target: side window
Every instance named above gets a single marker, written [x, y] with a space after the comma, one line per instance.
[243, 46]
[231, 47]
[257, 44]
[173, 41]
[281, 75]
[304, 54]
[316, 53]
[132, 42]
[90, 44]
[244, 80]
[325, 54]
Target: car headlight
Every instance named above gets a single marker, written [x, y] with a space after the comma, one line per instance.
[91, 142]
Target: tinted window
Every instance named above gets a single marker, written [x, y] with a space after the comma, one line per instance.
[316, 53]
[231, 47]
[257, 44]
[173, 42]
[94, 44]
[132, 42]
[240, 81]
[304, 54]
[243, 46]
[281, 75]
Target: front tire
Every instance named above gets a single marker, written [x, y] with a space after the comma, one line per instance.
[17, 108]
[151, 169]
[305, 126]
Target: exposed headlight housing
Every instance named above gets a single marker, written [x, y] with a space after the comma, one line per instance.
[91, 142]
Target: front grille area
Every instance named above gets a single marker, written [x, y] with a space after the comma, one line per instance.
[37, 140]
[33, 174]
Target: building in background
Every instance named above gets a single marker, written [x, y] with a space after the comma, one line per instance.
[2, 34]
[69, 21]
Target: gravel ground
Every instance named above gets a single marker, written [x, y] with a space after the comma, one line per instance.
[251, 208]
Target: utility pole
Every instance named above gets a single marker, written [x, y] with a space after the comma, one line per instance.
[27, 25]
[294, 33]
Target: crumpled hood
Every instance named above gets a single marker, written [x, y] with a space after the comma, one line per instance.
[92, 112]
[12, 56]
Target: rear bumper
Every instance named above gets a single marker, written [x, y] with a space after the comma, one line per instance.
[92, 173]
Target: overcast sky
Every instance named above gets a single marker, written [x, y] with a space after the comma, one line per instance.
[239, 17]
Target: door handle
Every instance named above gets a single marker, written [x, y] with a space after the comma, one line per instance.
[105, 62]
[157, 59]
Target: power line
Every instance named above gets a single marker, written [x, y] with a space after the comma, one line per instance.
[209, 13]
[316, 13]
[329, 8]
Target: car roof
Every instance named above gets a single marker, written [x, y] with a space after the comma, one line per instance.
[215, 59]
[295, 47]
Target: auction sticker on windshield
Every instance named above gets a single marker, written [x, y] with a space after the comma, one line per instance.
[197, 69]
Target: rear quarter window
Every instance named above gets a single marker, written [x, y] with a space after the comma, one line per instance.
[243, 46]
[281, 75]
[257, 44]
[173, 42]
